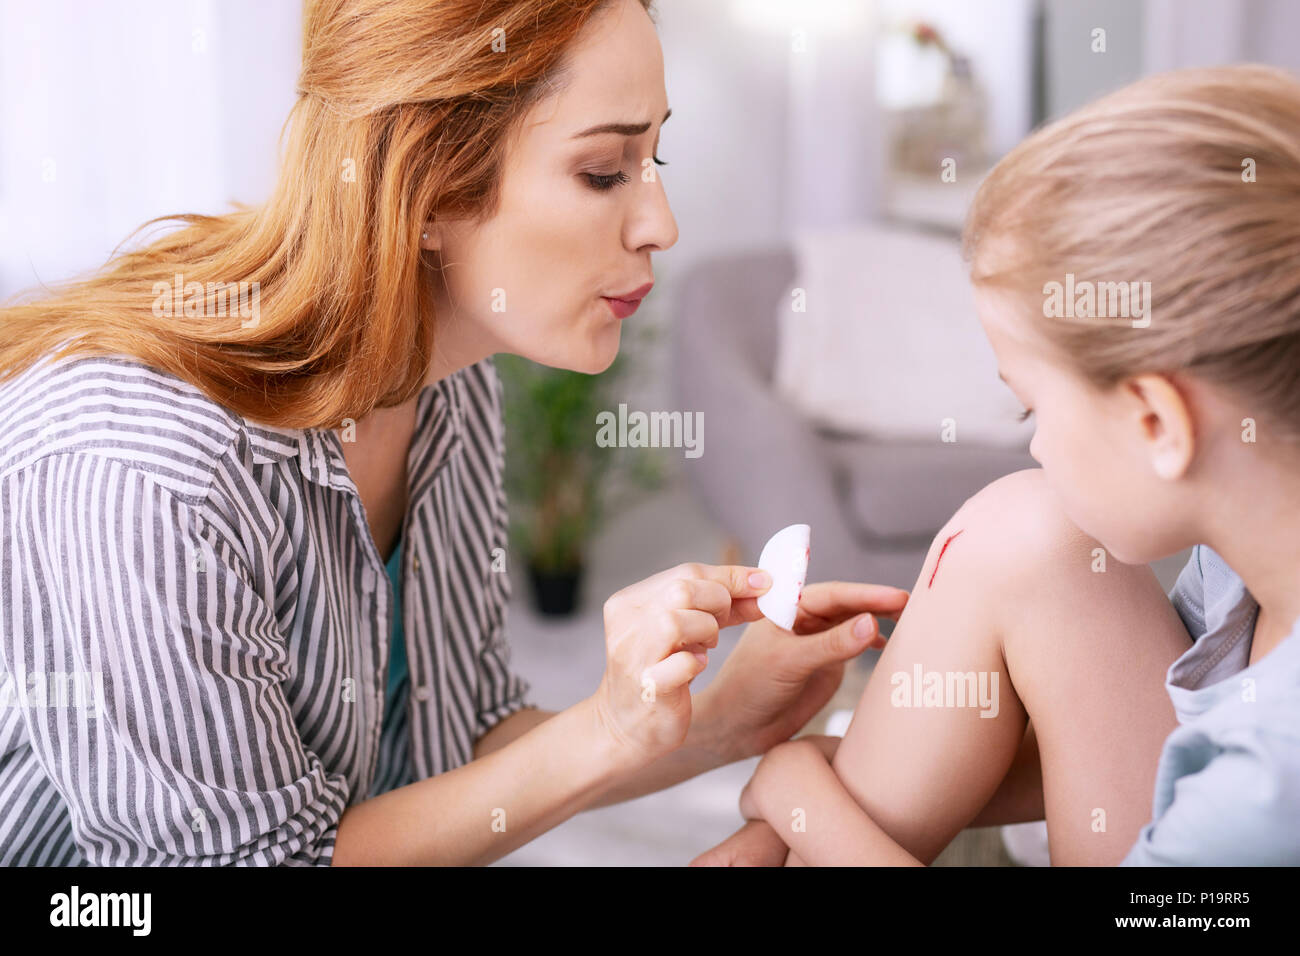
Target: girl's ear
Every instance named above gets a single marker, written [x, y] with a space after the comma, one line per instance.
[1165, 420]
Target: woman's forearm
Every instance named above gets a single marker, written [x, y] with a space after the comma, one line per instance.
[511, 728]
[696, 755]
[685, 762]
[478, 813]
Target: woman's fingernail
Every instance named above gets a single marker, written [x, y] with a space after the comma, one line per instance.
[759, 579]
[703, 658]
[863, 628]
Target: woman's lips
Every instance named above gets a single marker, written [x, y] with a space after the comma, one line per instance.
[621, 308]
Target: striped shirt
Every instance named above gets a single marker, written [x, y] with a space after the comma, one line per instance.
[195, 620]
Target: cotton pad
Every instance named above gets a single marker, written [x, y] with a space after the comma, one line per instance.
[785, 557]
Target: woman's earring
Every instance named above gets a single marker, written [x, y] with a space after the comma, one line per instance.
[424, 235]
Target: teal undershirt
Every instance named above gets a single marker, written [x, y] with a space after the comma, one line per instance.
[397, 656]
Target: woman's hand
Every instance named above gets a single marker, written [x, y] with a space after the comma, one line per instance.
[657, 633]
[773, 683]
[754, 844]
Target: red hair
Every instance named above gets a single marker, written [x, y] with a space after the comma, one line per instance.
[404, 113]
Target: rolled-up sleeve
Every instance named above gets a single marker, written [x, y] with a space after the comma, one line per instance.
[183, 748]
[502, 691]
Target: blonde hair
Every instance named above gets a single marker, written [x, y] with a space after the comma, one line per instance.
[1189, 180]
[405, 110]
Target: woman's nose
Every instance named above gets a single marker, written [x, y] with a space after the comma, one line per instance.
[653, 225]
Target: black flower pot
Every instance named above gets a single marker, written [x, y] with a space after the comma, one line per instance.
[555, 593]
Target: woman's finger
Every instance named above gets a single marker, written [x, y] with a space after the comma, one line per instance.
[673, 672]
[827, 603]
[743, 611]
[701, 594]
[734, 577]
[690, 627]
[673, 629]
[839, 643]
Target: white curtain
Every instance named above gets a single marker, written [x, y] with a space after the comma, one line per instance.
[1184, 33]
[114, 113]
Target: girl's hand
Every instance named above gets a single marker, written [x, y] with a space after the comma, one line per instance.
[778, 772]
[657, 634]
[754, 844]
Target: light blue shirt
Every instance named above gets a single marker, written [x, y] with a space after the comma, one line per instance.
[1228, 782]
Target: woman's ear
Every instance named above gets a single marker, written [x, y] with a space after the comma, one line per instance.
[1166, 424]
[431, 236]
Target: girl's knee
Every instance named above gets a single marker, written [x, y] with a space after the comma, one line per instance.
[1004, 536]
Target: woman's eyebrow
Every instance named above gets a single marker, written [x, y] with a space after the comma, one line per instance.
[622, 129]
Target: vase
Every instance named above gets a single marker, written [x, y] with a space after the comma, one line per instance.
[555, 593]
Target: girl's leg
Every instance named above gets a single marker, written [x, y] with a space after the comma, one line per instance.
[1024, 618]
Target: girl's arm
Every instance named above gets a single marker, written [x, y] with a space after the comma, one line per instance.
[797, 793]
[1018, 799]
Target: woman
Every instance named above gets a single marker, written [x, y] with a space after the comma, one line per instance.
[1168, 425]
[200, 500]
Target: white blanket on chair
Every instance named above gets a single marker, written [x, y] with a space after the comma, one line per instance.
[889, 345]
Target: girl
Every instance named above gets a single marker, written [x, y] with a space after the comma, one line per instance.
[1024, 679]
[217, 452]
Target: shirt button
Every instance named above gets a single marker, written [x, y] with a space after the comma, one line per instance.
[416, 563]
[423, 692]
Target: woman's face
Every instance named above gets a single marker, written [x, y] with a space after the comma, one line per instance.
[582, 208]
[1105, 453]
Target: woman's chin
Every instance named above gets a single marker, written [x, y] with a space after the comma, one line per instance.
[604, 349]
[590, 350]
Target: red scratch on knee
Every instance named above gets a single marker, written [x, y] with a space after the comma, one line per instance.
[940, 558]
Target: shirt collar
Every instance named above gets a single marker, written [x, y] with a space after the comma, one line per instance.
[439, 424]
[1212, 671]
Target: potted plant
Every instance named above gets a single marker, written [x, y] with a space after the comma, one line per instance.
[560, 483]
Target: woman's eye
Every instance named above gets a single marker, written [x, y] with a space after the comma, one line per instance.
[661, 162]
[1025, 414]
[603, 182]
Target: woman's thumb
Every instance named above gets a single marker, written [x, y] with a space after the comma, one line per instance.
[850, 638]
